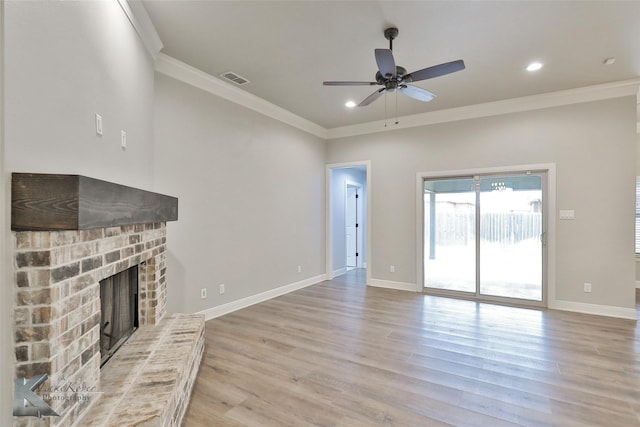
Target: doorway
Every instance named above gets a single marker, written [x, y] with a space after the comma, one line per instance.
[347, 218]
[484, 236]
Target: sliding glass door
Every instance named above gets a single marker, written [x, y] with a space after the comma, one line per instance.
[484, 236]
[450, 234]
[511, 237]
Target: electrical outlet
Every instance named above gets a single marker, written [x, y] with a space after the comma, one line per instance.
[392, 269]
[221, 288]
[299, 269]
[587, 287]
[203, 293]
[123, 139]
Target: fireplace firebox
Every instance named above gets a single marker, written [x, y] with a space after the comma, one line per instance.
[119, 311]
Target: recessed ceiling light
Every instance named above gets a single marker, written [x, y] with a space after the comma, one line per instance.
[609, 61]
[350, 104]
[534, 66]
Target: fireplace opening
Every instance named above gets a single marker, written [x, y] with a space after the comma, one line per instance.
[119, 311]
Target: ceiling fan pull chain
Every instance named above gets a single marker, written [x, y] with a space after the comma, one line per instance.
[396, 94]
[385, 109]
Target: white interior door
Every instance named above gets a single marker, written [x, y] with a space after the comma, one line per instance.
[351, 226]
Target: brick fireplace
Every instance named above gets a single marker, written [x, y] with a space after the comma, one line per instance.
[57, 311]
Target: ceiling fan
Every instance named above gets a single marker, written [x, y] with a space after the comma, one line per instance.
[395, 78]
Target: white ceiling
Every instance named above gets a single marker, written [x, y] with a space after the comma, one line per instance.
[288, 48]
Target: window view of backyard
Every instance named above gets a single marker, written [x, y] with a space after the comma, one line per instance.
[509, 261]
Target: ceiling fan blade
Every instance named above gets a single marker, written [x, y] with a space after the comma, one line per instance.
[386, 63]
[435, 71]
[369, 99]
[347, 83]
[416, 92]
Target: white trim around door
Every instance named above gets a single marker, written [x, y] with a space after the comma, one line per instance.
[328, 210]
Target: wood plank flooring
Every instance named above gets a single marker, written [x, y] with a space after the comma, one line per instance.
[343, 354]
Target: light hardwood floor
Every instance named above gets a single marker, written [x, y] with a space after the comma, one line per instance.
[343, 354]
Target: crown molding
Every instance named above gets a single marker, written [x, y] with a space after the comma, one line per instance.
[181, 71]
[515, 105]
[141, 22]
[172, 67]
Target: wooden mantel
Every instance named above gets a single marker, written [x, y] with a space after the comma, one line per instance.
[75, 202]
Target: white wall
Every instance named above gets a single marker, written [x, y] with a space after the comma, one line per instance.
[64, 61]
[339, 178]
[594, 148]
[6, 294]
[251, 197]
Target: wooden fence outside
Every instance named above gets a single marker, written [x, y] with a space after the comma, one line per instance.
[458, 229]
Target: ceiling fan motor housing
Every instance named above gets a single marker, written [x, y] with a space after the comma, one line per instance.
[400, 73]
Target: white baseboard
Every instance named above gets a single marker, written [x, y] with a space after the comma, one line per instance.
[579, 307]
[600, 310]
[401, 286]
[221, 310]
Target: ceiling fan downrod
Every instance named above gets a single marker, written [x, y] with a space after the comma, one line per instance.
[390, 34]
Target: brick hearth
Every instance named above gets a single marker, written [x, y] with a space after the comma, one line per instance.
[148, 381]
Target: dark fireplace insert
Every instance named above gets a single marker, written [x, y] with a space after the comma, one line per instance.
[119, 311]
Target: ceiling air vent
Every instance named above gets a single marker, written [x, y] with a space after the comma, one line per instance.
[233, 77]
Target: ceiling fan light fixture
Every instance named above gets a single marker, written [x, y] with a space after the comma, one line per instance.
[534, 66]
